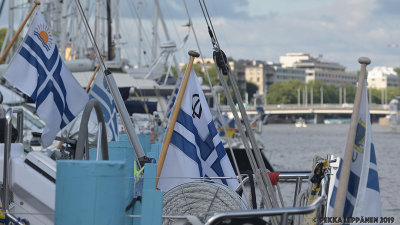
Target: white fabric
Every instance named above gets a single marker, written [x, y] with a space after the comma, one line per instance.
[185, 158]
[38, 70]
[364, 199]
[101, 92]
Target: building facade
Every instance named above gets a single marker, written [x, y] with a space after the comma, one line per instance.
[382, 77]
[330, 73]
[285, 74]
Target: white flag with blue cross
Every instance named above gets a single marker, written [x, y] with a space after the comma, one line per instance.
[195, 149]
[38, 71]
[363, 194]
[101, 92]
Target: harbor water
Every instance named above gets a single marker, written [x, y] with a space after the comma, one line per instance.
[291, 148]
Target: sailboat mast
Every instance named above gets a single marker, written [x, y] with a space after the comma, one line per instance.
[117, 36]
[154, 44]
[109, 31]
[139, 7]
[10, 25]
[157, 5]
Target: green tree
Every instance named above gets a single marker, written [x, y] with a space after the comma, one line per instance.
[350, 92]
[3, 32]
[316, 86]
[392, 93]
[251, 89]
[284, 92]
[397, 70]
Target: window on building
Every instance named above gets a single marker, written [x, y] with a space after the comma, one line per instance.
[258, 79]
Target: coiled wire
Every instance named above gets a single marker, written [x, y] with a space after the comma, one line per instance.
[201, 199]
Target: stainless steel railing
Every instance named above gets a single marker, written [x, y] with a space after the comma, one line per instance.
[20, 123]
[284, 213]
[7, 148]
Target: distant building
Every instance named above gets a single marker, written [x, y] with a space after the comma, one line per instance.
[208, 62]
[285, 74]
[255, 74]
[240, 67]
[317, 69]
[264, 74]
[382, 77]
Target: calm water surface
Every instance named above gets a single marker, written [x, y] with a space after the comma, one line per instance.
[291, 148]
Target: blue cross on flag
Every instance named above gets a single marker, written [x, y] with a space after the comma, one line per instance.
[38, 71]
[196, 149]
[101, 92]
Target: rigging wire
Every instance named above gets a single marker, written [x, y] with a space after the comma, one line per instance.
[236, 167]
[254, 155]
[146, 41]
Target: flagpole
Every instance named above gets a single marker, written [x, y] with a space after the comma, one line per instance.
[36, 3]
[171, 126]
[92, 78]
[347, 158]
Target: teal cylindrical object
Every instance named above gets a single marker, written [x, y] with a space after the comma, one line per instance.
[90, 192]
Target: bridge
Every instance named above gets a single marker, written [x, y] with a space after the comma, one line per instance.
[316, 111]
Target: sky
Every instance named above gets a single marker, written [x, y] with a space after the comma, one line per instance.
[339, 30]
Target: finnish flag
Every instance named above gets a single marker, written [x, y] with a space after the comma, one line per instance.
[38, 71]
[195, 149]
[101, 92]
[363, 195]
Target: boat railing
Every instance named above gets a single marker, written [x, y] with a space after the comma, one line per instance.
[297, 177]
[7, 149]
[20, 124]
[319, 203]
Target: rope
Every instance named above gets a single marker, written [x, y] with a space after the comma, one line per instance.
[201, 199]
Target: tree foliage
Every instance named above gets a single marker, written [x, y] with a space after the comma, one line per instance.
[284, 92]
[287, 92]
[251, 90]
[3, 32]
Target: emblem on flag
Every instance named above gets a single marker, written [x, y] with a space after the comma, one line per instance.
[196, 106]
[43, 33]
[196, 149]
[38, 71]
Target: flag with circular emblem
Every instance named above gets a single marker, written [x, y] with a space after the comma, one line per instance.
[196, 149]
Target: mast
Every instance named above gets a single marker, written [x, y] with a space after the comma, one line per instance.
[10, 25]
[109, 31]
[155, 34]
[63, 36]
[157, 5]
[117, 36]
[140, 4]
[96, 20]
